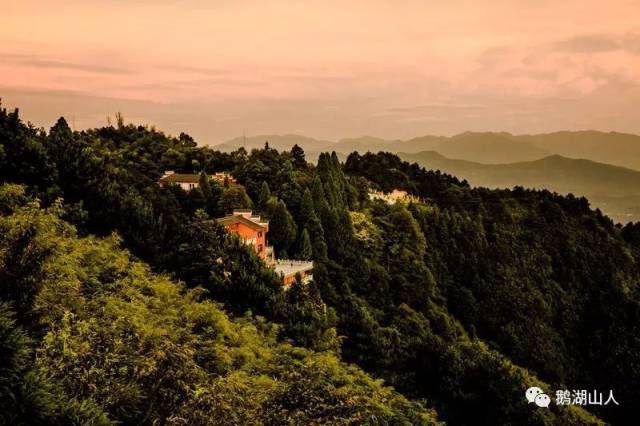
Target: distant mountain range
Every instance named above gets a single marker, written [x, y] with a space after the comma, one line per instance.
[555, 172]
[279, 142]
[604, 167]
[618, 149]
[615, 190]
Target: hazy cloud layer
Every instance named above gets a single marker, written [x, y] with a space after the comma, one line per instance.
[596, 43]
[32, 61]
[328, 69]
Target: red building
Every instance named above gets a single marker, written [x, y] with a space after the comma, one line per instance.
[251, 229]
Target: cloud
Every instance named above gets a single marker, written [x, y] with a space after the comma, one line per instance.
[420, 109]
[193, 70]
[195, 84]
[597, 43]
[45, 63]
[631, 43]
[590, 43]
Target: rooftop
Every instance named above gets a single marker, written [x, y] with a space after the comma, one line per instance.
[179, 177]
[238, 218]
[291, 267]
[170, 176]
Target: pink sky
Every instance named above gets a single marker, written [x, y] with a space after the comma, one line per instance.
[327, 69]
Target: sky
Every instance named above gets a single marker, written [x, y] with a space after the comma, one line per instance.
[328, 69]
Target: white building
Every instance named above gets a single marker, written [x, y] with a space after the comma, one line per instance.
[393, 196]
[189, 182]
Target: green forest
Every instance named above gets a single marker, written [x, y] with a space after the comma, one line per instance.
[124, 302]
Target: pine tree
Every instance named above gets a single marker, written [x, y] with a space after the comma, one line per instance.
[325, 175]
[318, 195]
[298, 157]
[264, 196]
[335, 184]
[282, 228]
[339, 181]
[309, 221]
[307, 209]
[344, 235]
[318, 241]
[306, 250]
[60, 146]
[328, 215]
[204, 186]
[323, 168]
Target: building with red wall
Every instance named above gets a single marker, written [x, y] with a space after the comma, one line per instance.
[250, 228]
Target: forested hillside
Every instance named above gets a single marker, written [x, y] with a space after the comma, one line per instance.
[115, 342]
[117, 293]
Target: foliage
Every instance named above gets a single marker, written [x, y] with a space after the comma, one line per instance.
[463, 299]
[282, 228]
[234, 197]
[141, 349]
[306, 249]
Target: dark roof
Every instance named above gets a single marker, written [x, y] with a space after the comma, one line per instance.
[179, 177]
[229, 220]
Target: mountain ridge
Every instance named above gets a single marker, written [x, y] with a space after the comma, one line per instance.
[615, 148]
[613, 189]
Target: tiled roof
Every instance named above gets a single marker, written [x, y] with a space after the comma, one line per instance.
[179, 177]
[229, 220]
